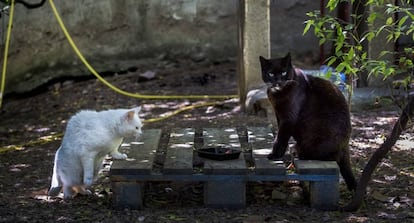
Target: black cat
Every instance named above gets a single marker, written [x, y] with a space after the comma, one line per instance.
[313, 111]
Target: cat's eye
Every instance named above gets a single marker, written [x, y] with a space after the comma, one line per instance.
[284, 73]
[137, 128]
[271, 74]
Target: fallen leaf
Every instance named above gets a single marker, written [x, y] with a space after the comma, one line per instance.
[141, 218]
[379, 197]
[386, 215]
[390, 178]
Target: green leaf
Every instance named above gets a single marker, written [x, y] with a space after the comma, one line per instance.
[340, 67]
[371, 18]
[331, 61]
[328, 74]
[351, 54]
[389, 21]
[338, 47]
[409, 63]
[390, 37]
[322, 41]
[383, 53]
[389, 71]
[364, 56]
[409, 14]
[402, 20]
[397, 34]
[309, 23]
[370, 36]
[332, 4]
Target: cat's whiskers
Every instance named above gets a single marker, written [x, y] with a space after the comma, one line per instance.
[137, 136]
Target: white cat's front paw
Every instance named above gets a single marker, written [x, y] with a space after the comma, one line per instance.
[119, 156]
[85, 192]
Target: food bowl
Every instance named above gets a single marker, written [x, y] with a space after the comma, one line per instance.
[219, 153]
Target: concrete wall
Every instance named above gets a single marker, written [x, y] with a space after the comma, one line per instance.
[114, 34]
[287, 24]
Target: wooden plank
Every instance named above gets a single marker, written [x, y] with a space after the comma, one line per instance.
[316, 167]
[223, 136]
[261, 141]
[140, 153]
[179, 157]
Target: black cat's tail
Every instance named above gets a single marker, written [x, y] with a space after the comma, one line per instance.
[346, 172]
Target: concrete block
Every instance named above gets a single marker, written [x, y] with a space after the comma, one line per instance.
[128, 195]
[324, 195]
[223, 194]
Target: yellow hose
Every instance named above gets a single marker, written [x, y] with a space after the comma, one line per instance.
[93, 71]
[6, 52]
[58, 136]
[167, 115]
[120, 91]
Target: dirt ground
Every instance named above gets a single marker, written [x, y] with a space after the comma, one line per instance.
[31, 127]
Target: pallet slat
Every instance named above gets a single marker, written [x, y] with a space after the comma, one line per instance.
[140, 154]
[179, 157]
[223, 136]
[261, 141]
[316, 167]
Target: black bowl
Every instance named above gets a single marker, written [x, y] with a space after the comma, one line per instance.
[219, 153]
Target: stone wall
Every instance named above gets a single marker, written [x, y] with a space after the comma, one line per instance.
[287, 24]
[114, 34]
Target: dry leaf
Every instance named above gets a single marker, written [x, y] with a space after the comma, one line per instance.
[379, 197]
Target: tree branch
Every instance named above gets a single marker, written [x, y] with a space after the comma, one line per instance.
[378, 155]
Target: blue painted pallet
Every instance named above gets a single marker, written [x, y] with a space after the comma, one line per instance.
[224, 180]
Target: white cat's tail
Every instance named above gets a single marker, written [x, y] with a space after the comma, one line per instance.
[56, 185]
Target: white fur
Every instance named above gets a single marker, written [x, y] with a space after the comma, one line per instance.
[89, 137]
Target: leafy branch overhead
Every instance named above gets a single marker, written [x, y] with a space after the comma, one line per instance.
[383, 21]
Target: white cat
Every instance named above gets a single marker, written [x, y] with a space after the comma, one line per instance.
[89, 137]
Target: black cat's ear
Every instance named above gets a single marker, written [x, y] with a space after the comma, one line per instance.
[287, 55]
[288, 59]
[263, 61]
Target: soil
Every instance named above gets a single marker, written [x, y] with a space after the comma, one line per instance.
[31, 128]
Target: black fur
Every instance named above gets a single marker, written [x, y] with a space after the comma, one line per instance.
[313, 111]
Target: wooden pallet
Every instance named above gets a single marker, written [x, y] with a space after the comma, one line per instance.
[224, 181]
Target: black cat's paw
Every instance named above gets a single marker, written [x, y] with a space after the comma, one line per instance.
[273, 157]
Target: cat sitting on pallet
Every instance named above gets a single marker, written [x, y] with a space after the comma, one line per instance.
[89, 137]
[313, 111]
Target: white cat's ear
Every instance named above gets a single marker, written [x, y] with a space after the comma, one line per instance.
[137, 109]
[130, 115]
